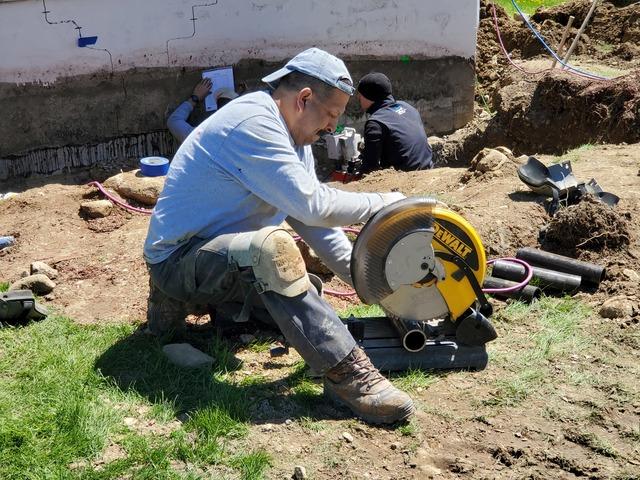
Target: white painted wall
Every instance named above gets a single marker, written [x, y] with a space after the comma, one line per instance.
[136, 32]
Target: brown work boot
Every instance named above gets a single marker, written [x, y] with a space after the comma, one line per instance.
[356, 383]
[164, 314]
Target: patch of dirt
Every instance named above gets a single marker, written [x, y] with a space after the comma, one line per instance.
[117, 219]
[614, 21]
[589, 225]
[562, 432]
[102, 278]
[613, 34]
[538, 116]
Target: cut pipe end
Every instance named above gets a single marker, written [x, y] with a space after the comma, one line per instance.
[414, 340]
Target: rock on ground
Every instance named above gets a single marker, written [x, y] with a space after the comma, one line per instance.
[41, 267]
[39, 284]
[186, 356]
[617, 307]
[96, 208]
[135, 186]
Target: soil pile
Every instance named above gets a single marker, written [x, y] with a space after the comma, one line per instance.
[613, 32]
[613, 22]
[537, 117]
[588, 225]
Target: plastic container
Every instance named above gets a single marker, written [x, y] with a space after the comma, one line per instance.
[6, 241]
[154, 166]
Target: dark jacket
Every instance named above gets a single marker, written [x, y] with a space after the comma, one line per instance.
[394, 136]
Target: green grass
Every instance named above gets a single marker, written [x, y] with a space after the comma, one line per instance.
[408, 429]
[604, 47]
[528, 6]
[66, 390]
[559, 335]
[593, 442]
[413, 380]
[4, 286]
[361, 310]
[260, 346]
[575, 154]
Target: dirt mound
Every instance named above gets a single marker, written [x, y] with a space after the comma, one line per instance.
[614, 32]
[490, 163]
[518, 40]
[537, 117]
[613, 21]
[626, 51]
[117, 219]
[490, 61]
[589, 225]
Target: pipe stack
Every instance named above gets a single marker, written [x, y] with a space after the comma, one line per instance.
[552, 273]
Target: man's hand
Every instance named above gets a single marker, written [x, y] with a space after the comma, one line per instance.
[391, 197]
[203, 88]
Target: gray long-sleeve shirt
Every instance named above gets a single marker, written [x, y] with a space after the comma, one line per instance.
[240, 171]
[177, 121]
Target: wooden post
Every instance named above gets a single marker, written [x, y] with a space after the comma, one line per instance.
[582, 27]
[565, 34]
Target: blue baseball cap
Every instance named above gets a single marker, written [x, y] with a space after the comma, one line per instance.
[319, 64]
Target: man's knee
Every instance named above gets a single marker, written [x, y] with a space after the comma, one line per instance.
[275, 259]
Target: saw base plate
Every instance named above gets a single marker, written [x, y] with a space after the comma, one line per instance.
[379, 339]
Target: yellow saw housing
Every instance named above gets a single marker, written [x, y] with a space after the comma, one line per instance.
[455, 235]
[414, 258]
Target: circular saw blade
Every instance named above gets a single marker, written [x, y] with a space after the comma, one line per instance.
[402, 261]
[393, 237]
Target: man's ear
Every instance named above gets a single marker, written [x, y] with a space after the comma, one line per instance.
[302, 97]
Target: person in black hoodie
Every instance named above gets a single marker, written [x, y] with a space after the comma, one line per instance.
[394, 135]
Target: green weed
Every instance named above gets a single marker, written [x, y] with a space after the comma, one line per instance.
[252, 465]
[311, 425]
[574, 155]
[409, 429]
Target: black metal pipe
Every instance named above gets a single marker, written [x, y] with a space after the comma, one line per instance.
[412, 334]
[591, 273]
[528, 294]
[546, 279]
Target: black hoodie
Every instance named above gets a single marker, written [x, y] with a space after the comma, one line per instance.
[394, 136]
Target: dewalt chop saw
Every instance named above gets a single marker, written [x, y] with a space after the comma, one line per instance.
[424, 265]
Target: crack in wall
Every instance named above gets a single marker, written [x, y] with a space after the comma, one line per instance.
[76, 27]
[193, 21]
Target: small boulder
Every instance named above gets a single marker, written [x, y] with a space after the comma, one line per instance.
[247, 338]
[135, 186]
[489, 159]
[186, 356]
[96, 208]
[41, 267]
[299, 473]
[39, 284]
[617, 307]
[631, 275]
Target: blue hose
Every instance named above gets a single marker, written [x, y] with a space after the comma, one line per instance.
[550, 50]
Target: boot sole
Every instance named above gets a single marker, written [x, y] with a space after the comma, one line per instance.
[405, 411]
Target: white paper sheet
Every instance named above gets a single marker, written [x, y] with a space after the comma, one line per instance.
[220, 77]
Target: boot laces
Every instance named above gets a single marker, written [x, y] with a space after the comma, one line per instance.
[362, 370]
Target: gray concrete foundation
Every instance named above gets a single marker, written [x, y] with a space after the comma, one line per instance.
[93, 119]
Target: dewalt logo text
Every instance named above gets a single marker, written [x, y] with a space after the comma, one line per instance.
[450, 241]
